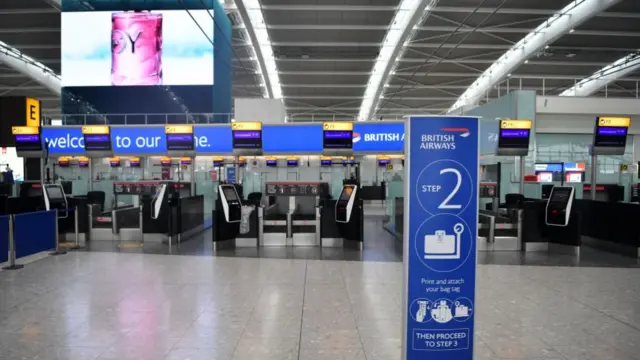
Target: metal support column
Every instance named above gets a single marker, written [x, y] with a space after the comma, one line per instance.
[594, 173]
[521, 182]
[12, 248]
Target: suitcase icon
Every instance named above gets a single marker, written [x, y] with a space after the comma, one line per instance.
[441, 245]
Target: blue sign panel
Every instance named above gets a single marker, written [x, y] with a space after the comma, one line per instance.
[213, 139]
[138, 140]
[378, 137]
[442, 219]
[292, 139]
[231, 175]
[63, 140]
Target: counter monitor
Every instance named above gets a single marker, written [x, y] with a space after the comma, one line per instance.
[292, 163]
[610, 135]
[180, 139]
[247, 136]
[27, 139]
[97, 139]
[337, 136]
[271, 163]
[513, 137]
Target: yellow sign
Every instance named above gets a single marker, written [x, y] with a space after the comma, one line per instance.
[165, 159]
[95, 130]
[614, 121]
[25, 130]
[218, 158]
[325, 157]
[63, 159]
[624, 167]
[389, 167]
[516, 124]
[114, 159]
[33, 112]
[246, 125]
[83, 159]
[178, 129]
[134, 159]
[338, 126]
[292, 158]
[384, 157]
[185, 158]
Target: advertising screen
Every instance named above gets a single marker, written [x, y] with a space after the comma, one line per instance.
[137, 48]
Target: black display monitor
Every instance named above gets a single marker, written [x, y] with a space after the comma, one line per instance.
[513, 137]
[337, 136]
[31, 142]
[97, 142]
[292, 163]
[325, 162]
[246, 137]
[180, 142]
[610, 135]
[229, 194]
[271, 163]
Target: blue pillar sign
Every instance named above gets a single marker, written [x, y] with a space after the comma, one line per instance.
[231, 175]
[440, 242]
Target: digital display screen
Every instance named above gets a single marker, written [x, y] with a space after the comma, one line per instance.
[54, 193]
[165, 162]
[247, 139]
[337, 139]
[514, 139]
[217, 163]
[229, 194]
[292, 163]
[134, 163]
[272, 162]
[325, 162]
[560, 195]
[114, 163]
[83, 163]
[97, 142]
[63, 163]
[346, 193]
[30, 142]
[575, 177]
[144, 48]
[180, 142]
[610, 136]
[185, 161]
[348, 162]
[384, 162]
[549, 172]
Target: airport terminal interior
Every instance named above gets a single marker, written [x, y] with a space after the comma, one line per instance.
[319, 179]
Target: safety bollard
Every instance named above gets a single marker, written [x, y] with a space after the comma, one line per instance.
[12, 249]
[57, 251]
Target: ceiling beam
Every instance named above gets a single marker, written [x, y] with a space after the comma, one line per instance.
[448, 29]
[439, 61]
[409, 14]
[253, 20]
[603, 77]
[555, 27]
[29, 67]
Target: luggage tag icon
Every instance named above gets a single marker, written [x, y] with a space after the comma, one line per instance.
[441, 245]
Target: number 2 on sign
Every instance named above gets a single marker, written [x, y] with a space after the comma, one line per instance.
[445, 203]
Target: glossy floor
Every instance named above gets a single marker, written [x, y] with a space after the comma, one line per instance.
[99, 305]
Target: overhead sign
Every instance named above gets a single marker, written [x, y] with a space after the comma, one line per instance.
[32, 112]
[247, 135]
[442, 218]
[286, 139]
[27, 138]
[378, 137]
[179, 138]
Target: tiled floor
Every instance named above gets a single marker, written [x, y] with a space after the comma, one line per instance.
[98, 305]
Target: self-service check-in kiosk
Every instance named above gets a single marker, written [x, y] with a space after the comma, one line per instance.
[558, 210]
[345, 203]
[227, 216]
[231, 205]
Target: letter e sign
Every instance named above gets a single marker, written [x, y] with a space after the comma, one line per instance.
[33, 112]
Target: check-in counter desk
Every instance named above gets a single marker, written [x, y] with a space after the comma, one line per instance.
[374, 192]
[611, 226]
[538, 236]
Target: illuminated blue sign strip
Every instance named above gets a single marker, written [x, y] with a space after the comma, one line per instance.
[286, 139]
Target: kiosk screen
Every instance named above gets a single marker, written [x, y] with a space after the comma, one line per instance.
[54, 193]
[346, 193]
[229, 194]
[560, 195]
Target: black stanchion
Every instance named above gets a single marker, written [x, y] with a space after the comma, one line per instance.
[12, 249]
[76, 228]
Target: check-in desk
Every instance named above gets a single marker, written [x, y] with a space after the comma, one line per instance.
[293, 216]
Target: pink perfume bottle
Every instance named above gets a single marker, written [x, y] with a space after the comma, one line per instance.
[136, 48]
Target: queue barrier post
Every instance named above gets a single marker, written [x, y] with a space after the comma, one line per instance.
[12, 248]
[76, 230]
[57, 251]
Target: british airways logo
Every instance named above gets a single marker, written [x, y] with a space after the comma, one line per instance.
[378, 137]
[463, 132]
